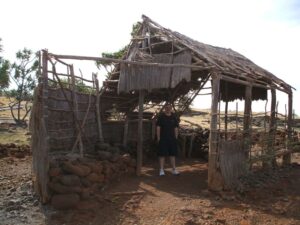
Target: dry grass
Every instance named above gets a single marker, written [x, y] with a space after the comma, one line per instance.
[4, 102]
[10, 134]
[14, 135]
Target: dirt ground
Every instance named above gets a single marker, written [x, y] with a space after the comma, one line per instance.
[151, 199]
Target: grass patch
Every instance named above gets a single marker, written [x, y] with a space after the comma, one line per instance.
[17, 136]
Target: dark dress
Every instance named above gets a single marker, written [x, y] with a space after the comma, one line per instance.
[168, 144]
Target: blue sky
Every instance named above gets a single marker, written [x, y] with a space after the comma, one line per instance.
[265, 31]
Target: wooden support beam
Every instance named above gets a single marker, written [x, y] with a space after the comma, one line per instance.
[247, 121]
[191, 145]
[111, 60]
[215, 179]
[125, 136]
[42, 154]
[272, 129]
[75, 104]
[287, 158]
[98, 111]
[140, 134]
[226, 119]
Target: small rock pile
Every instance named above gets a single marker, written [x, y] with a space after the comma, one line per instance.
[72, 180]
[13, 150]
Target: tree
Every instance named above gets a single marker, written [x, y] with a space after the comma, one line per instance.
[23, 74]
[4, 71]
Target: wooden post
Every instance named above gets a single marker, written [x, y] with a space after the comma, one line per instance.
[287, 157]
[140, 134]
[42, 158]
[75, 104]
[247, 120]
[125, 136]
[99, 123]
[265, 123]
[272, 129]
[236, 117]
[219, 112]
[215, 179]
[183, 151]
[226, 119]
[191, 145]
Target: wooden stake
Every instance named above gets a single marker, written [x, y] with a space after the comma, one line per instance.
[265, 123]
[215, 179]
[272, 128]
[98, 111]
[191, 145]
[140, 134]
[43, 160]
[226, 119]
[75, 104]
[247, 120]
[226, 110]
[125, 137]
[236, 116]
[287, 158]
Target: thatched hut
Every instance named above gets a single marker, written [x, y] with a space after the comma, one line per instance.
[160, 65]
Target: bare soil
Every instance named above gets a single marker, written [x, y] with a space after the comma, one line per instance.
[183, 199]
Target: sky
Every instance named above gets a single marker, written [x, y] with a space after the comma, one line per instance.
[265, 31]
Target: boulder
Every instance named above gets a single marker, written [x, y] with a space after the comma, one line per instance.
[96, 167]
[85, 194]
[115, 157]
[126, 158]
[103, 155]
[86, 170]
[113, 149]
[102, 146]
[95, 178]
[85, 182]
[62, 189]
[74, 169]
[54, 172]
[65, 201]
[70, 180]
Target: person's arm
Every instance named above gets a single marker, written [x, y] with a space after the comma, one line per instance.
[158, 133]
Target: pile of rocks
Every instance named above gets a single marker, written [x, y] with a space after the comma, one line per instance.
[72, 180]
[13, 150]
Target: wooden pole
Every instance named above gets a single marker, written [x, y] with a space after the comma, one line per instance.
[236, 116]
[140, 134]
[75, 104]
[125, 136]
[247, 120]
[98, 111]
[111, 60]
[226, 110]
[42, 162]
[226, 119]
[215, 179]
[265, 123]
[191, 145]
[272, 128]
[287, 158]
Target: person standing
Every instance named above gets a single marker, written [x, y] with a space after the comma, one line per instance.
[167, 134]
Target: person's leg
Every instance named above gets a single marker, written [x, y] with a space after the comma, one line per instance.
[173, 154]
[161, 165]
[161, 162]
[173, 164]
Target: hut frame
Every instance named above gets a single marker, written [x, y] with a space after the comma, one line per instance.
[222, 67]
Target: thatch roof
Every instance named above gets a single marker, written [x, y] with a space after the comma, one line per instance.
[156, 44]
[226, 60]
